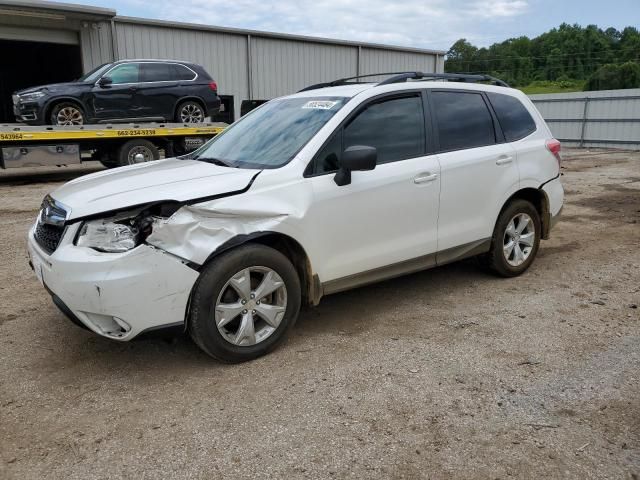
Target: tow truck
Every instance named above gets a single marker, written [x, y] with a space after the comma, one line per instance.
[113, 145]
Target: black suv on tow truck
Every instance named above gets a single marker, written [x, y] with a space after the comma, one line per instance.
[123, 91]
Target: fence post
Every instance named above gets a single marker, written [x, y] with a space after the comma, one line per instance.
[584, 120]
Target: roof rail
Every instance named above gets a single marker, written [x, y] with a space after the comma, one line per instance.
[458, 77]
[404, 76]
[346, 81]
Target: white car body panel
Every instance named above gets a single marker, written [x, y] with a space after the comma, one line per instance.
[535, 163]
[341, 217]
[555, 195]
[145, 287]
[170, 179]
[473, 186]
[383, 218]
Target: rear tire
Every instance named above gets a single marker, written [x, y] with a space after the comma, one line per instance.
[129, 153]
[190, 112]
[229, 310]
[515, 240]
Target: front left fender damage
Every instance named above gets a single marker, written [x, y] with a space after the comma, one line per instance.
[195, 231]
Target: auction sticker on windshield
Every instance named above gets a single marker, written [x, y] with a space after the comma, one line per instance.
[319, 104]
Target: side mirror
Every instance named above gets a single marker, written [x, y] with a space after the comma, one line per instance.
[105, 81]
[355, 158]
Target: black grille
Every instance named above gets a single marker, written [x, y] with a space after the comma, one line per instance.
[48, 236]
[50, 226]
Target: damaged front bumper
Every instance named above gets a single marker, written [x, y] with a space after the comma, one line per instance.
[116, 295]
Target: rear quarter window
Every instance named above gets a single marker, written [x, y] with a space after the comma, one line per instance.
[514, 118]
[181, 72]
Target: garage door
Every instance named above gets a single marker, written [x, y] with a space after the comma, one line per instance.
[47, 35]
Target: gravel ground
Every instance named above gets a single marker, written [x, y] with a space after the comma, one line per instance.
[448, 373]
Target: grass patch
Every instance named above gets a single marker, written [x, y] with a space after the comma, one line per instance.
[547, 86]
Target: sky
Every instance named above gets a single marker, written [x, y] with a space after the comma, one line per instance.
[434, 24]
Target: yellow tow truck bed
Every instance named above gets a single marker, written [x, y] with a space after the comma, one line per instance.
[112, 144]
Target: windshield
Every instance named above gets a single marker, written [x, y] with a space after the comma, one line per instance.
[94, 74]
[271, 135]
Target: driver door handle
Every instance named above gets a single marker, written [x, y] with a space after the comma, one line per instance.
[425, 177]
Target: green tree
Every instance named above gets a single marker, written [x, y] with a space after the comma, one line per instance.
[613, 77]
[460, 56]
[569, 52]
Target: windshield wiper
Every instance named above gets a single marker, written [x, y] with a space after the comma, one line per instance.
[215, 161]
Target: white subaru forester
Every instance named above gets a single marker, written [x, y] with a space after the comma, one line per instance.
[310, 194]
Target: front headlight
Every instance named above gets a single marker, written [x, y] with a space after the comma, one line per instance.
[125, 230]
[109, 236]
[27, 97]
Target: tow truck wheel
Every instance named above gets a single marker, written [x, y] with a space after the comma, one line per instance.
[137, 151]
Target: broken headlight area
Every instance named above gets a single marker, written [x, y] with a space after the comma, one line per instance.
[123, 231]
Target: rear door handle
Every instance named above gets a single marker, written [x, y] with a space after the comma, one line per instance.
[425, 177]
[504, 159]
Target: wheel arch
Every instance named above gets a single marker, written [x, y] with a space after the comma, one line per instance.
[289, 247]
[55, 101]
[540, 201]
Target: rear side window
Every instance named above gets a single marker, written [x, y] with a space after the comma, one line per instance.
[180, 72]
[395, 127]
[514, 118]
[463, 120]
[156, 72]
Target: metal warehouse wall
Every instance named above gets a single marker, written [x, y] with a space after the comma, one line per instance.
[280, 67]
[93, 35]
[379, 60]
[608, 118]
[223, 55]
[246, 64]
[97, 45]
[251, 65]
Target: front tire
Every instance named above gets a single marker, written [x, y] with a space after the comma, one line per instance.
[515, 240]
[244, 303]
[67, 113]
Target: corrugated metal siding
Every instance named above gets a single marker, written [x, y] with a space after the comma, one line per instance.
[278, 66]
[281, 67]
[223, 55]
[96, 44]
[611, 118]
[94, 36]
[274, 65]
[374, 60]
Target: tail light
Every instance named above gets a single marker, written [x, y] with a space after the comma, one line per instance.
[213, 86]
[554, 147]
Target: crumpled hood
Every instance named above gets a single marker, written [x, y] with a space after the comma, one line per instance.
[171, 179]
[53, 87]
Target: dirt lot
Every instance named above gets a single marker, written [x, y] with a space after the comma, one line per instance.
[442, 374]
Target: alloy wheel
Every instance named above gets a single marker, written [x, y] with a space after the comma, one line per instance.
[251, 306]
[69, 116]
[191, 113]
[519, 239]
